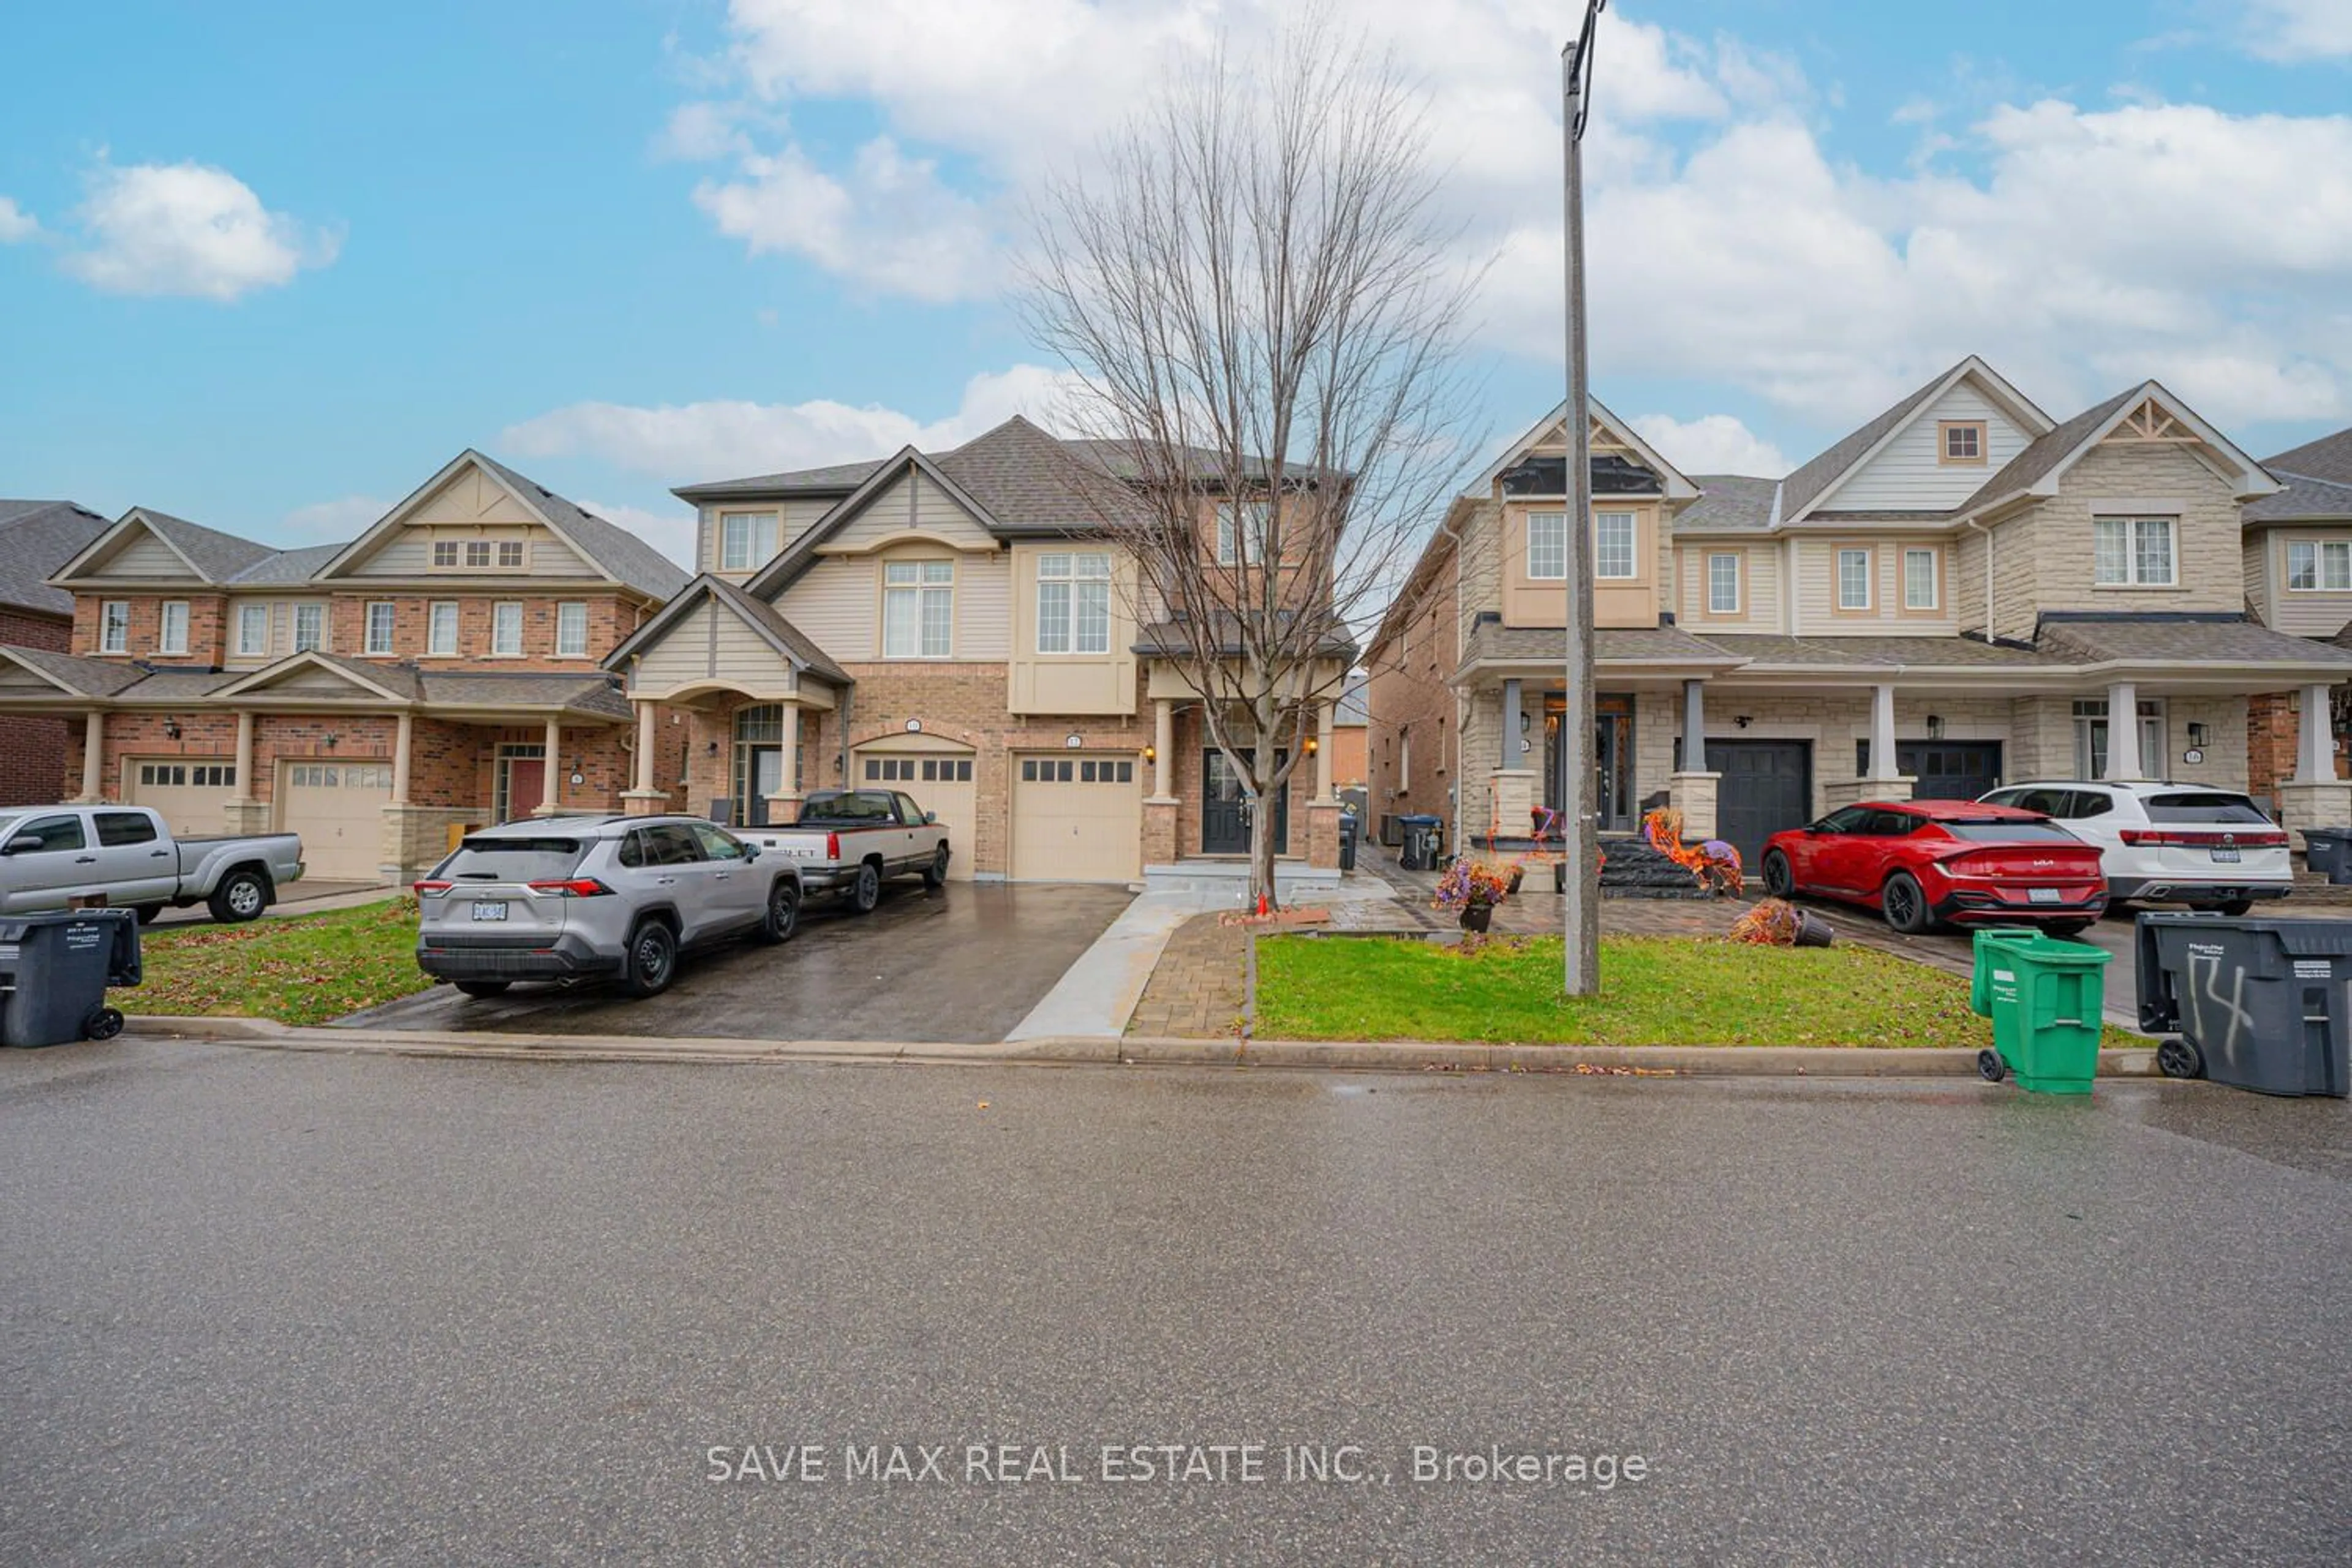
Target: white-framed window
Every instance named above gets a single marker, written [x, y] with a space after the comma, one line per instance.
[1546, 546]
[1722, 583]
[445, 553]
[506, 627]
[746, 540]
[441, 629]
[1853, 579]
[510, 554]
[478, 553]
[252, 629]
[172, 628]
[1242, 528]
[572, 629]
[2132, 552]
[2319, 566]
[1964, 441]
[380, 625]
[114, 626]
[1612, 545]
[309, 628]
[2091, 738]
[1074, 602]
[1923, 587]
[918, 609]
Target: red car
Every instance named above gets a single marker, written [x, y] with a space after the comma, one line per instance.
[1920, 862]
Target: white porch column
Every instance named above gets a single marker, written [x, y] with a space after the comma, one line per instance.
[245, 781]
[93, 754]
[1882, 733]
[2315, 739]
[404, 736]
[1323, 753]
[645, 796]
[2123, 731]
[2314, 797]
[1163, 747]
[784, 806]
[551, 792]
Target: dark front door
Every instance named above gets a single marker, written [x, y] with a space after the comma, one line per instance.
[1767, 785]
[1612, 764]
[1226, 811]
[1949, 769]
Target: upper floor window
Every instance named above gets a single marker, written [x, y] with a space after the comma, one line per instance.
[441, 630]
[1723, 583]
[253, 629]
[1963, 441]
[572, 629]
[380, 623]
[506, 627]
[1242, 527]
[2319, 566]
[746, 540]
[2132, 552]
[478, 553]
[1853, 579]
[1074, 602]
[1922, 579]
[172, 633]
[510, 553]
[445, 553]
[1612, 545]
[917, 608]
[1546, 546]
[114, 626]
[309, 628]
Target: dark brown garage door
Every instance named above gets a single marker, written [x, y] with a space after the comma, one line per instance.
[1767, 785]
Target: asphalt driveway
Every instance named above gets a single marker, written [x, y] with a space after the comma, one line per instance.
[966, 962]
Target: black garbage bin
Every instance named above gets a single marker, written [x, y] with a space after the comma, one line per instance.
[2257, 1004]
[2328, 851]
[54, 968]
[1422, 841]
[1349, 827]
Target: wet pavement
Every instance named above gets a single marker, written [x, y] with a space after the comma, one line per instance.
[966, 962]
[268, 1306]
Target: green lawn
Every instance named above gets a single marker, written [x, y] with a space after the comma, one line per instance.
[303, 969]
[1654, 991]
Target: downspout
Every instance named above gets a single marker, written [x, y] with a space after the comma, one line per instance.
[1990, 620]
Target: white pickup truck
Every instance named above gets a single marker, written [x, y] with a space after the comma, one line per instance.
[845, 841]
[51, 856]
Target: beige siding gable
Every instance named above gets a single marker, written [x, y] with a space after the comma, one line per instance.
[408, 553]
[145, 555]
[836, 604]
[468, 497]
[1908, 475]
[912, 503]
[711, 645]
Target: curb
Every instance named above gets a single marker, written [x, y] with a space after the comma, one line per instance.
[1324, 1056]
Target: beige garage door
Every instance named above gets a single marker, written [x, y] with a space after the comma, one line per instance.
[338, 808]
[191, 792]
[1076, 819]
[939, 776]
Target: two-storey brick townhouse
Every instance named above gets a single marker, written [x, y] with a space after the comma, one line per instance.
[2298, 561]
[37, 537]
[440, 670]
[1961, 592]
[966, 626]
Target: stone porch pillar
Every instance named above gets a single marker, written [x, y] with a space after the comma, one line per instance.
[2123, 731]
[1159, 808]
[1512, 786]
[93, 756]
[1692, 789]
[550, 798]
[2314, 797]
[644, 796]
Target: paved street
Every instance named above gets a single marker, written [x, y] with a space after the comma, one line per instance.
[966, 962]
[268, 1306]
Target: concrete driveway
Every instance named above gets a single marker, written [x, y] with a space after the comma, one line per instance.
[966, 962]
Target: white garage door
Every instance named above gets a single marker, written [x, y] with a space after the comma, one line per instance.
[942, 783]
[191, 792]
[338, 808]
[1076, 819]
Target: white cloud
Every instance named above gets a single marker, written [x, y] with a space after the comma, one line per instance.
[2293, 30]
[1712, 444]
[672, 533]
[681, 444]
[890, 226]
[346, 518]
[188, 229]
[15, 223]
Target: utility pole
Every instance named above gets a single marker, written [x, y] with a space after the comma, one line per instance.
[1581, 916]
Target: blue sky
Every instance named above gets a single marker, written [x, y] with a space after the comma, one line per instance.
[269, 267]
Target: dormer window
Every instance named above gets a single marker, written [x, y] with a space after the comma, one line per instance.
[746, 540]
[1963, 441]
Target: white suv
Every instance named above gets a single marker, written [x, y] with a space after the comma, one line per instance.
[2189, 844]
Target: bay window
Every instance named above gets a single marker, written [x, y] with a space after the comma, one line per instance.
[1074, 602]
[1546, 546]
[1612, 545]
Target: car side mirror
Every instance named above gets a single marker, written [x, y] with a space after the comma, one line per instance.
[751, 852]
[24, 844]
[930, 817]
[1812, 827]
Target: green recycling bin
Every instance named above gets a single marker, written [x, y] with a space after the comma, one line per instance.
[2045, 998]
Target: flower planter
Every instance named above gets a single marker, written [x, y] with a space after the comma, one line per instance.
[1477, 916]
[1519, 874]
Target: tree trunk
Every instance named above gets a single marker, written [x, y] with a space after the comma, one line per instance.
[1262, 853]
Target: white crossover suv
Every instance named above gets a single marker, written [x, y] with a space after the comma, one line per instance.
[2189, 844]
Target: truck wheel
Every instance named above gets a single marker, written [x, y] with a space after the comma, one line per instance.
[652, 963]
[242, 896]
[783, 916]
[147, 913]
[867, 892]
[934, 875]
[483, 987]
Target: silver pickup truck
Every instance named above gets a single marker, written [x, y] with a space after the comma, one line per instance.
[847, 841]
[51, 856]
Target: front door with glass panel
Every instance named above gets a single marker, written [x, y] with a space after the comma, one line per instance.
[764, 768]
[1612, 764]
[1225, 810]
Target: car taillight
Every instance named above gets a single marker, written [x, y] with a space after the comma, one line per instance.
[581, 887]
[833, 845]
[430, 889]
[2204, 838]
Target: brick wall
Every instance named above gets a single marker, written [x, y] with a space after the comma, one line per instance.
[1407, 693]
[611, 618]
[33, 751]
[204, 622]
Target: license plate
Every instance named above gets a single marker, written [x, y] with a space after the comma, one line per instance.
[489, 909]
[2226, 854]
[2044, 895]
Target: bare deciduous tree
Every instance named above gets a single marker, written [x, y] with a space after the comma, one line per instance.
[1266, 311]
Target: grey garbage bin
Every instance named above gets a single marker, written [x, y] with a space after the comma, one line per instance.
[1349, 825]
[2328, 851]
[2257, 1004]
[1421, 840]
[54, 968]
